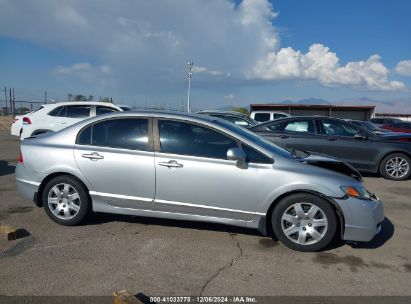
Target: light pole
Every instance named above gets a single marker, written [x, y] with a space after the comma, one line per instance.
[189, 74]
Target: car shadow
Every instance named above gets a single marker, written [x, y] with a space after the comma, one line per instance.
[369, 174]
[101, 218]
[387, 231]
[6, 168]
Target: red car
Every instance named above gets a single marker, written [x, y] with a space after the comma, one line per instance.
[398, 127]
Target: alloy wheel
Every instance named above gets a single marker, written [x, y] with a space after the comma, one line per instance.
[304, 223]
[64, 201]
[397, 167]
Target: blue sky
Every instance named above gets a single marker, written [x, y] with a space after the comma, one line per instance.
[243, 51]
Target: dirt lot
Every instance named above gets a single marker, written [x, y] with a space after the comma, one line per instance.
[5, 123]
[161, 257]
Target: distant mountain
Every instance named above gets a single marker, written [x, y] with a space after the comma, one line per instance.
[402, 105]
[318, 101]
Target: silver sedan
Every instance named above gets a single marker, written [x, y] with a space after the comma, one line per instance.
[199, 168]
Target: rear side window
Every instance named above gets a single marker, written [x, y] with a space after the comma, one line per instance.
[300, 126]
[58, 112]
[190, 139]
[238, 121]
[103, 110]
[78, 111]
[124, 133]
[254, 156]
[262, 117]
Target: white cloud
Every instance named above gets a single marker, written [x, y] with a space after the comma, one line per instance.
[322, 65]
[204, 70]
[83, 67]
[404, 68]
[229, 97]
[139, 43]
[86, 72]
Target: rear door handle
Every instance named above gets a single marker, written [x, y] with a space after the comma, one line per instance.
[93, 156]
[284, 136]
[170, 164]
[331, 139]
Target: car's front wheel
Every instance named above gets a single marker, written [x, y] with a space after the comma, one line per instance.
[65, 200]
[304, 222]
[396, 167]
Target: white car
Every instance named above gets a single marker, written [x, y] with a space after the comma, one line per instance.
[262, 116]
[57, 116]
[17, 125]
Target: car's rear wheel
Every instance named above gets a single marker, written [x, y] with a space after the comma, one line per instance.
[396, 166]
[65, 200]
[304, 222]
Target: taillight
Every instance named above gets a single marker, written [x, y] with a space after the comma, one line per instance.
[20, 160]
[26, 120]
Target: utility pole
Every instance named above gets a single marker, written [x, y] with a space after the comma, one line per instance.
[45, 96]
[11, 104]
[14, 104]
[5, 94]
[189, 74]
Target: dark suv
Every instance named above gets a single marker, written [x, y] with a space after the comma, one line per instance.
[384, 120]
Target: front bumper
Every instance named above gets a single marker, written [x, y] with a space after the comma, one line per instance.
[362, 218]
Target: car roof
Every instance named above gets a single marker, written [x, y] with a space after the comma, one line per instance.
[222, 112]
[65, 103]
[163, 114]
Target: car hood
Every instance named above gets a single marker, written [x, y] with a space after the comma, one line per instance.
[333, 164]
[395, 135]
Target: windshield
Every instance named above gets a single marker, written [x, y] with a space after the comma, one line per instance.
[369, 125]
[258, 140]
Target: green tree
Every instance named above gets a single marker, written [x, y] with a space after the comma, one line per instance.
[80, 97]
[241, 110]
[105, 99]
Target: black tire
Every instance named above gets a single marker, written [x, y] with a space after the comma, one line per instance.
[326, 210]
[83, 202]
[383, 167]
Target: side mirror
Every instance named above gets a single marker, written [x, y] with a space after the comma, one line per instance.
[239, 156]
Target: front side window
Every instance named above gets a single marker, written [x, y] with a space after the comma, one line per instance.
[123, 133]
[190, 139]
[278, 115]
[262, 117]
[254, 156]
[300, 126]
[339, 128]
[103, 110]
[78, 111]
[377, 120]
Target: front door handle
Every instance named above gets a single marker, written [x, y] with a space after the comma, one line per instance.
[284, 136]
[170, 164]
[331, 139]
[92, 156]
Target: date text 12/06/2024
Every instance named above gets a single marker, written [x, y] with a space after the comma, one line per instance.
[203, 299]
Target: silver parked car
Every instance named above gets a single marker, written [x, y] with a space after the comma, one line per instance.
[195, 167]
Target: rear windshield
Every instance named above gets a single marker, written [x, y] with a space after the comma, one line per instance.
[262, 117]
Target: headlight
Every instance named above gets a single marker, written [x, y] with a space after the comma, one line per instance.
[358, 192]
